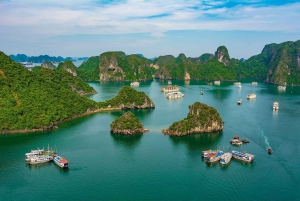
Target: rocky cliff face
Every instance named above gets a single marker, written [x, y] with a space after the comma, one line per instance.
[109, 68]
[201, 119]
[116, 66]
[222, 55]
[49, 65]
[282, 61]
[127, 124]
[68, 66]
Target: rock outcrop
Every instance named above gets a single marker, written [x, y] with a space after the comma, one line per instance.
[68, 66]
[201, 119]
[127, 124]
[222, 55]
[276, 64]
[49, 65]
[116, 66]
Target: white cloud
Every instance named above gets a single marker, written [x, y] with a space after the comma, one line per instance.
[69, 17]
[50, 22]
[157, 34]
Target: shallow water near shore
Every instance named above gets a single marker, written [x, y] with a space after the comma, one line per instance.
[153, 166]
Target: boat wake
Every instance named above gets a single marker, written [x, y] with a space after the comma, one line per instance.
[267, 142]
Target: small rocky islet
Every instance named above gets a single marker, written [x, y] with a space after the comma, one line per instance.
[200, 119]
[127, 124]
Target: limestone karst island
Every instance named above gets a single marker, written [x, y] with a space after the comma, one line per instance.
[200, 119]
[127, 124]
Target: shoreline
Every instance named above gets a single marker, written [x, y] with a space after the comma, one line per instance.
[54, 124]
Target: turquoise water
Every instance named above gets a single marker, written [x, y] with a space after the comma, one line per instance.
[153, 166]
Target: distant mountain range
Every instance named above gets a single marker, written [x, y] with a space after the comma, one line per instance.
[44, 58]
[276, 64]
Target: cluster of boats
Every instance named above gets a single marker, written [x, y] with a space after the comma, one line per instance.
[237, 141]
[41, 156]
[172, 92]
[211, 156]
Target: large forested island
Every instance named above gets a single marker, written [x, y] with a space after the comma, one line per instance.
[277, 64]
[42, 98]
[116, 66]
[127, 124]
[200, 119]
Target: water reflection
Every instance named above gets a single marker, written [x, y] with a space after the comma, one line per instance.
[187, 82]
[220, 93]
[196, 142]
[128, 141]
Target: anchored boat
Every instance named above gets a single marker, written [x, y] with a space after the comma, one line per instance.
[242, 156]
[61, 162]
[239, 102]
[206, 153]
[215, 157]
[251, 96]
[170, 88]
[134, 84]
[281, 87]
[173, 95]
[40, 159]
[236, 142]
[225, 158]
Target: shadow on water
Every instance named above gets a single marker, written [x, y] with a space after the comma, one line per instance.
[140, 113]
[128, 141]
[220, 93]
[197, 142]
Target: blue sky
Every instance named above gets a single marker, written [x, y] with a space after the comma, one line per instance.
[149, 27]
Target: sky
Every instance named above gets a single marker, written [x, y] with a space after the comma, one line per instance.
[79, 28]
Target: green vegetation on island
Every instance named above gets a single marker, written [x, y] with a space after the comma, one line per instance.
[205, 67]
[116, 66]
[39, 99]
[68, 66]
[64, 77]
[200, 119]
[48, 64]
[127, 124]
[34, 101]
[127, 98]
[89, 70]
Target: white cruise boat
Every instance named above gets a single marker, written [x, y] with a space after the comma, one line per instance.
[134, 84]
[254, 83]
[170, 88]
[251, 96]
[217, 82]
[61, 162]
[40, 159]
[225, 158]
[33, 153]
[169, 82]
[275, 105]
[281, 87]
[173, 95]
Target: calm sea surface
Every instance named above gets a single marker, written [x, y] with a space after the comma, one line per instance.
[153, 166]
